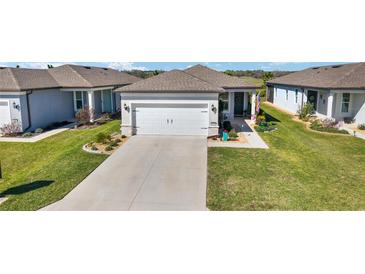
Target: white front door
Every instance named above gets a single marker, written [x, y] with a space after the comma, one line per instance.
[171, 119]
[4, 113]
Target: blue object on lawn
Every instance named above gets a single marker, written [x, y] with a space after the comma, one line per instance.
[225, 136]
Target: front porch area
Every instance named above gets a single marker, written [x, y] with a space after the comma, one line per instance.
[246, 128]
[237, 103]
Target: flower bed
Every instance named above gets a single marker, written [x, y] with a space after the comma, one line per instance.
[328, 126]
[105, 143]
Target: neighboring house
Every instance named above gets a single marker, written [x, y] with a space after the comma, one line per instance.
[36, 98]
[184, 102]
[336, 92]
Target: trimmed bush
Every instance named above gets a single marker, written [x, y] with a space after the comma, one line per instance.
[109, 148]
[38, 131]
[233, 134]
[361, 126]
[85, 115]
[102, 138]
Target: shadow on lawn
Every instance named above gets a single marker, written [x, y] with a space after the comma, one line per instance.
[16, 190]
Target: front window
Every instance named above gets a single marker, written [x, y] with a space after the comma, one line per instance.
[287, 95]
[345, 105]
[79, 102]
[223, 102]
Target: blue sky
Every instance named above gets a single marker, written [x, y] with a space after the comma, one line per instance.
[268, 66]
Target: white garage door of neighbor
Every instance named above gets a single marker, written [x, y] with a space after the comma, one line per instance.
[4, 113]
[171, 119]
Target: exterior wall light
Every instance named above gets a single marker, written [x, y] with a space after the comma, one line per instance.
[16, 106]
[126, 107]
[214, 109]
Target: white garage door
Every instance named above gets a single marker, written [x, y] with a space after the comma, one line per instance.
[4, 112]
[171, 119]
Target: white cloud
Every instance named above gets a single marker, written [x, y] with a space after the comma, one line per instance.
[125, 66]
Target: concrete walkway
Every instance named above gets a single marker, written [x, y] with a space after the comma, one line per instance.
[146, 173]
[253, 139]
[38, 137]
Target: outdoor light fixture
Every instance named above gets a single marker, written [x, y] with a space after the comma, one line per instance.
[16, 106]
[125, 106]
[214, 109]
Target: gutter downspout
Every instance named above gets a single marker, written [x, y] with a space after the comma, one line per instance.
[28, 108]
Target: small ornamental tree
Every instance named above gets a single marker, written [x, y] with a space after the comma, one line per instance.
[85, 115]
[11, 129]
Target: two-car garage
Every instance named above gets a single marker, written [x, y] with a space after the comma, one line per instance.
[170, 119]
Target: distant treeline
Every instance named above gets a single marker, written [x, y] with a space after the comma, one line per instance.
[255, 73]
[239, 73]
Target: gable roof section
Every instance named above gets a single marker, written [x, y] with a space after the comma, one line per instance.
[347, 76]
[217, 78]
[66, 76]
[171, 81]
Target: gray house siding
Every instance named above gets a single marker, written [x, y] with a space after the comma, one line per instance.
[50, 106]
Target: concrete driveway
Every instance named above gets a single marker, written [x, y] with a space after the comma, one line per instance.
[146, 173]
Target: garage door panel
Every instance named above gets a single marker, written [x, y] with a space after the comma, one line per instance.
[4, 113]
[167, 119]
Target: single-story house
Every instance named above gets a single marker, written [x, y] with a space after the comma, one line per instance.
[184, 102]
[336, 92]
[36, 98]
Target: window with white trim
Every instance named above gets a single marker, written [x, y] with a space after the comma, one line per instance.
[224, 101]
[79, 100]
[345, 104]
[286, 95]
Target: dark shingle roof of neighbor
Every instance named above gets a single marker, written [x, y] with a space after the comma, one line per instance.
[217, 78]
[346, 76]
[65, 76]
[171, 81]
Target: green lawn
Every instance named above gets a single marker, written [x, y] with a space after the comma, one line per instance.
[37, 174]
[302, 170]
[252, 80]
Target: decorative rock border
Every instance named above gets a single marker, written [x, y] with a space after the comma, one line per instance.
[86, 149]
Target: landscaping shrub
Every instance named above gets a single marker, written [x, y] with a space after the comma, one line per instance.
[329, 123]
[233, 134]
[109, 148]
[27, 134]
[305, 111]
[325, 126]
[102, 137]
[93, 147]
[11, 129]
[38, 131]
[85, 115]
[265, 127]
[123, 136]
[113, 143]
[361, 126]
[260, 119]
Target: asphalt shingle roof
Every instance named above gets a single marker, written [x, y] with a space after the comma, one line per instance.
[66, 76]
[347, 76]
[217, 78]
[171, 81]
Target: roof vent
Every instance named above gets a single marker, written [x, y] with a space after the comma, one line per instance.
[2, 67]
[337, 66]
[87, 67]
[105, 69]
[315, 68]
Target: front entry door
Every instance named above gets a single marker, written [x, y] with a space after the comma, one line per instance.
[312, 98]
[238, 103]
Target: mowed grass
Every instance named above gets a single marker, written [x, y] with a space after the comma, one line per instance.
[38, 174]
[302, 170]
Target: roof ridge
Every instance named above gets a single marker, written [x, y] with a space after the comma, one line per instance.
[79, 75]
[210, 84]
[14, 77]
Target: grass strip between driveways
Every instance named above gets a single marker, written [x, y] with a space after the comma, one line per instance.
[38, 174]
[302, 170]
